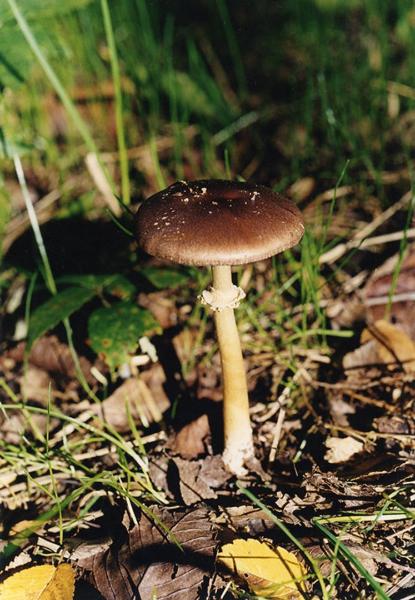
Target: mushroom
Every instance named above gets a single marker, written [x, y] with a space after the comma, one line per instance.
[220, 224]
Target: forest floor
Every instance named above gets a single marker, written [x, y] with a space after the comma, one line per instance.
[110, 381]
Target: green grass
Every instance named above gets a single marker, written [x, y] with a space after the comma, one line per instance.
[391, 510]
[285, 530]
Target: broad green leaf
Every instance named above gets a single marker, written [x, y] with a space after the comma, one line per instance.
[114, 331]
[117, 285]
[165, 278]
[57, 308]
[91, 282]
[121, 287]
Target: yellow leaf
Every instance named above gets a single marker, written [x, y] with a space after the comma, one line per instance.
[269, 573]
[44, 582]
[392, 344]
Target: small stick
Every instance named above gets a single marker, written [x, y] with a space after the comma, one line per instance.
[101, 181]
[379, 300]
[359, 240]
[282, 400]
[276, 436]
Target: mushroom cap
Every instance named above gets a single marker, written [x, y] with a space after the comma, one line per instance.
[217, 222]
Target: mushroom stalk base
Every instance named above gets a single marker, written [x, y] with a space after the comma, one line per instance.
[239, 447]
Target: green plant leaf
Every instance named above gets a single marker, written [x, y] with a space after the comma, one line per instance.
[117, 285]
[54, 310]
[16, 58]
[165, 278]
[121, 287]
[114, 331]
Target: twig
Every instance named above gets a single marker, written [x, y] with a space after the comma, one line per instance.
[401, 89]
[276, 437]
[359, 241]
[97, 173]
[18, 225]
[281, 401]
[338, 192]
[379, 300]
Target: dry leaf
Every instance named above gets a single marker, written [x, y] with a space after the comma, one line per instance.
[381, 344]
[189, 441]
[51, 355]
[36, 384]
[44, 582]
[364, 356]
[198, 480]
[22, 526]
[170, 561]
[341, 449]
[15, 424]
[377, 289]
[396, 424]
[392, 344]
[155, 379]
[162, 307]
[302, 188]
[269, 573]
[134, 399]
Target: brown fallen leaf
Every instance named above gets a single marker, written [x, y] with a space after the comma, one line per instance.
[381, 344]
[51, 355]
[209, 382]
[198, 480]
[364, 356]
[36, 384]
[155, 378]
[14, 424]
[43, 582]
[252, 521]
[191, 487]
[324, 556]
[170, 557]
[189, 441]
[339, 409]
[395, 424]
[184, 346]
[132, 399]
[321, 487]
[341, 449]
[377, 290]
[302, 188]
[392, 344]
[162, 306]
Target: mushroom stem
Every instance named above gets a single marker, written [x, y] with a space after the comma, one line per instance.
[239, 447]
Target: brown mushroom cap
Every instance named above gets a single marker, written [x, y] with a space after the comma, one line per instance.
[217, 222]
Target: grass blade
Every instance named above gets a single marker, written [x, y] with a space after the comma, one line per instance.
[115, 68]
[50, 282]
[58, 87]
[49, 278]
[353, 560]
[290, 536]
